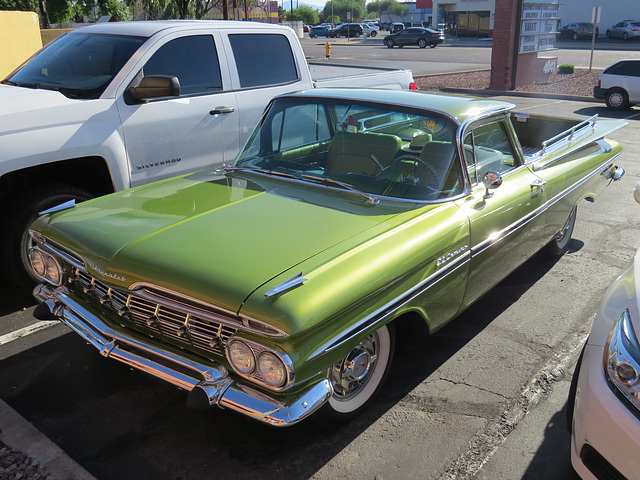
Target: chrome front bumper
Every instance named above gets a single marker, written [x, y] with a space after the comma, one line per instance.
[207, 384]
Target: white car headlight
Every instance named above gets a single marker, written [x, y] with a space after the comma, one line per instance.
[241, 357]
[272, 369]
[622, 359]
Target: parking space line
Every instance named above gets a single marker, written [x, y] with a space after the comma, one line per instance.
[23, 332]
[631, 117]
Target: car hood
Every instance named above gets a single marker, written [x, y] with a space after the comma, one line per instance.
[31, 109]
[210, 236]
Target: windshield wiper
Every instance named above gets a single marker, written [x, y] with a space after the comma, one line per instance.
[347, 186]
[37, 86]
[258, 170]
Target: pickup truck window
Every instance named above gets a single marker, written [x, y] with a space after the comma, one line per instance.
[263, 59]
[78, 65]
[193, 60]
[487, 148]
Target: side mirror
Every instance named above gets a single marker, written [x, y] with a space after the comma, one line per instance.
[156, 86]
[491, 180]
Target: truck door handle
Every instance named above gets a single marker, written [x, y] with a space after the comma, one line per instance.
[537, 183]
[221, 110]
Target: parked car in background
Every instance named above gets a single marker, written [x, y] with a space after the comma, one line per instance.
[369, 29]
[619, 84]
[395, 27]
[351, 30]
[306, 28]
[318, 31]
[578, 30]
[603, 410]
[385, 25]
[419, 36]
[273, 287]
[626, 30]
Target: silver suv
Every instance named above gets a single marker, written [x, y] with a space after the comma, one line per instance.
[619, 84]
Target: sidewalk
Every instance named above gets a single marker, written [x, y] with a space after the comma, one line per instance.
[43, 460]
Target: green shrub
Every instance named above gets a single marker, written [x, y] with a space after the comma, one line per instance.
[566, 68]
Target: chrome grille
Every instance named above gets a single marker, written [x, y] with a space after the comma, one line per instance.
[199, 330]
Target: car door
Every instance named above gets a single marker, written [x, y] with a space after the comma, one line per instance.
[174, 135]
[507, 222]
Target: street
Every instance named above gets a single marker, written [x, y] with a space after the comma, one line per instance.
[483, 398]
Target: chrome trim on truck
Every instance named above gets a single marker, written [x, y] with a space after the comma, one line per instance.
[209, 383]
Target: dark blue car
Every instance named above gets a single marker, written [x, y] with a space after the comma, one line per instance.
[318, 32]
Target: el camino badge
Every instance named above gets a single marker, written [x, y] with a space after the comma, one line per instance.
[450, 256]
[106, 274]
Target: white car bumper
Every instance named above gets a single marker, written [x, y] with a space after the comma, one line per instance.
[606, 433]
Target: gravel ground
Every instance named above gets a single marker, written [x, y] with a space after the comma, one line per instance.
[579, 84]
[15, 465]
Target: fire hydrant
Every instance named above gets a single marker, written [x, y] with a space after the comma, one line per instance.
[327, 49]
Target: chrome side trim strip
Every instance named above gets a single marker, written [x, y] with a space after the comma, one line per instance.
[292, 282]
[393, 305]
[58, 208]
[398, 302]
[484, 245]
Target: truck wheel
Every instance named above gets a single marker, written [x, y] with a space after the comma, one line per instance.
[422, 43]
[560, 243]
[15, 246]
[359, 377]
[617, 99]
[388, 43]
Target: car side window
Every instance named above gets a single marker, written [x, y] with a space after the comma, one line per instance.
[487, 148]
[263, 59]
[624, 68]
[304, 125]
[193, 60]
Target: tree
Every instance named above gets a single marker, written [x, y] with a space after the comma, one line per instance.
[341, 7]
[390, 7]
[307, 15]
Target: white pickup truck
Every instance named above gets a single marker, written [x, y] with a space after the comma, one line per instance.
[111, 106]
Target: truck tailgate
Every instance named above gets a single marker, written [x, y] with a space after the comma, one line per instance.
[354, 76]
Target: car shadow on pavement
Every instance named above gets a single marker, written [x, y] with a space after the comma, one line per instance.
[119, 423]
[13, 298]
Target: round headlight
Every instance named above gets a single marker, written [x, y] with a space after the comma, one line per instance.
[53, 271]
[272, 369]
[241, 357]
[36, 258]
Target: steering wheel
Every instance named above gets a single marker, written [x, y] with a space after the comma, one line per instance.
[431, 178]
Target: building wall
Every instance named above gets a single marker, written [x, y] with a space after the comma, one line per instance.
[569, 10]
[19, 37]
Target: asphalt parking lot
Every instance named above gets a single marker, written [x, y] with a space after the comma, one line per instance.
[483, 398]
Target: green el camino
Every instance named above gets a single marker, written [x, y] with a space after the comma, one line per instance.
[273, 287]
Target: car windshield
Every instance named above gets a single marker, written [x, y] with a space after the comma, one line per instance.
[78, 65]
[374, 149]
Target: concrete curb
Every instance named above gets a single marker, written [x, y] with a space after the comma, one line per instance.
[19, 434]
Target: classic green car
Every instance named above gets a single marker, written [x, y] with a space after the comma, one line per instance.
[273, 287]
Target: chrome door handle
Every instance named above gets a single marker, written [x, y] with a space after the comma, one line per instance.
[537, 183]
[221, 110]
